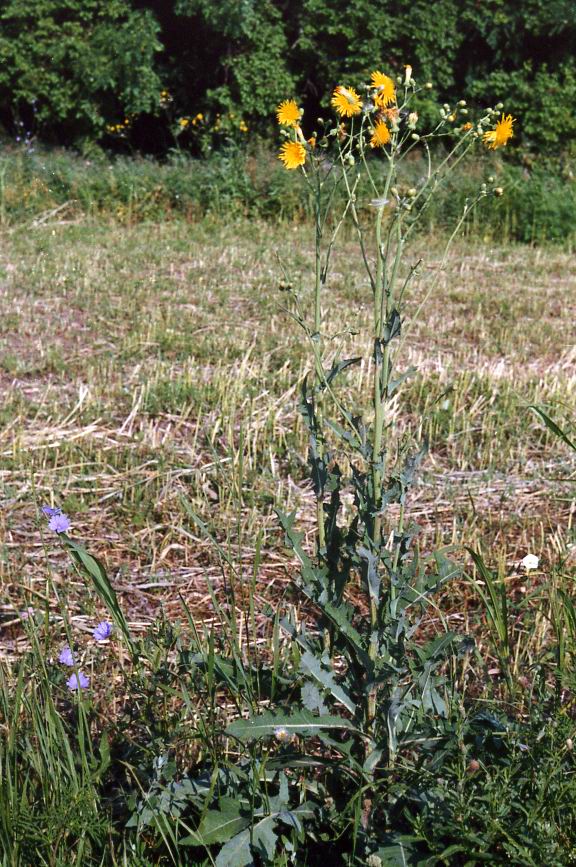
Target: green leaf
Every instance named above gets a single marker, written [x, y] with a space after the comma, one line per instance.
[395, 384]
[236, 852]
[338, 367]
[95, 570]
[218, 826]
[314, 667]
[301, 722]
[551, 425]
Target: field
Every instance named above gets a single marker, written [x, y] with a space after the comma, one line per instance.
[150, 378]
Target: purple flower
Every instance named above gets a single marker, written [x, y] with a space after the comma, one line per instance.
[59, 523]
[50, 512]
[66, 657]
[103, 631]
[79, 681]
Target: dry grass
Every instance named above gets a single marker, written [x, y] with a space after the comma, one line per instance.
[144, 366]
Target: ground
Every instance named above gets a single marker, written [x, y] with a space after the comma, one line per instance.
[151, 373]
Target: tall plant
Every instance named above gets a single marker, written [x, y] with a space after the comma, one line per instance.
[366, 580]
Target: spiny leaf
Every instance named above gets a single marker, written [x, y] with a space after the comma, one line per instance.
[301, 722]
[312, 666]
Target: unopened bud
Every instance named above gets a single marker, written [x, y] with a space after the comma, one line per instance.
[451, 118]
[462, 103]
[415, 136]
[498, 191]
[412, 192]
[398, 79]
[428, 85]
[464, 111]
[446, 107]
[499, 106]
[490, 180]
[394, 191]
[408, 74]
[569, 744]
[473, 766]
[350, 160]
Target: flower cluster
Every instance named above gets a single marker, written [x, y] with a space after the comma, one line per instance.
[185, 122]
[78, 680]
[383, 119]
[119, 128]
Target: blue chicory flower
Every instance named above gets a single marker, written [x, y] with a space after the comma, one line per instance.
[50, 512]
[79, 681]
[59, 523]
[66, 657]
[102, 631]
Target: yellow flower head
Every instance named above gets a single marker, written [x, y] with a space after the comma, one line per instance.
[380, 135]
[292, 154]
[288, 113]
[346, 101]
[501, 134]
[386, 91]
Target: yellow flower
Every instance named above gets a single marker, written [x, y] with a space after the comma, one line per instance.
[386, 91]
[500, 135]
[466, 127]
[288, 113]
[292, 154]
[380, 135]
[346, 101]
[312, 142]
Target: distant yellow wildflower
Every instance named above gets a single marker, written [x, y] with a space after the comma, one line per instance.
[292, 154]
[501, 134]
[380, 135]
[288, 113]
[386, 91]
[346, 101]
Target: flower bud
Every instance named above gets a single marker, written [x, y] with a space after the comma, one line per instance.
[464, 111]
[398, 79]
[569, 744]
[428, 85]
[491, 179]
[350, 160]
[451, 118]
[394, 191]
[498, 191]
[462, 103]
[446, 107]
[499, 106]
[473, 766]
[415, 136]
[412, 192]
[408, 74]
[412, 119]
